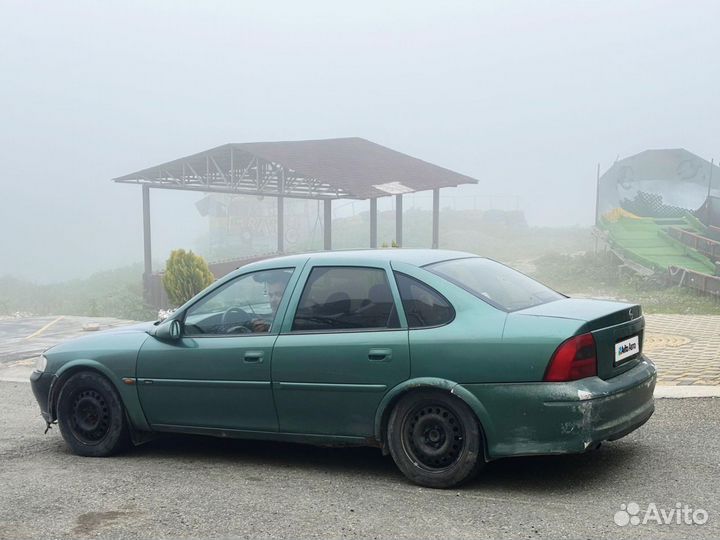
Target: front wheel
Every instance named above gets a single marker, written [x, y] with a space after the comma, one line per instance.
[435, 439]
[91, 415]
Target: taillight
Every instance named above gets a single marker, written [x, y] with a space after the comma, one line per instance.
[575, 359]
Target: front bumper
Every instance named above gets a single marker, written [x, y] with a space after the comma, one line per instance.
[41, 383]
[563, 418]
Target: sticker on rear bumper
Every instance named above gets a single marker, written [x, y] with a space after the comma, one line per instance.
[627, 348]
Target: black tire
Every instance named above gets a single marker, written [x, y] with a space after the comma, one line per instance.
[435, 439]
[91, 416]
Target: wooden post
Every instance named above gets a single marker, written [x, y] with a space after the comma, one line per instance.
[327, 224]
[147, 249]
[399, 220]
[436, 218]
[373, 223]
[281, 213]
[280, 224]
[146, 230]
[597, 195]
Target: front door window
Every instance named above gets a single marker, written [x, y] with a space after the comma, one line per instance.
[245, 305]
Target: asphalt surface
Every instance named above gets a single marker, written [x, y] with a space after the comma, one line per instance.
[203, 487]
[26, 337]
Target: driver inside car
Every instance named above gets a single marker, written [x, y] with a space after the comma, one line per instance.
[275, 284]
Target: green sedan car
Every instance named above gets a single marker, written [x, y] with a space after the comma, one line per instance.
[443, 359]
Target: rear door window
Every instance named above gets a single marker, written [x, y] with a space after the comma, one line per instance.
[346, 298]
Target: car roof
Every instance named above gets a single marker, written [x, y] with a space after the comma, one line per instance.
[416, 257]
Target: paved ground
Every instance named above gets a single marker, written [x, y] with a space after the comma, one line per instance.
[187, 486]
[204, 487]
[23, 339]
[685, 348]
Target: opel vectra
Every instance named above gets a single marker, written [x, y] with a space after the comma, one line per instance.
[443, 359]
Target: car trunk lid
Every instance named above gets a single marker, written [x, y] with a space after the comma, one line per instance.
[617, 328]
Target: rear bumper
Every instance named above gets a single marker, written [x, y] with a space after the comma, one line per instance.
[563, 418]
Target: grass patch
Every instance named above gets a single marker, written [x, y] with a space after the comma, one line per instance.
[591, 275]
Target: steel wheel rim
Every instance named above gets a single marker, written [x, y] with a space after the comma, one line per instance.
[433, 437]
[89, 416]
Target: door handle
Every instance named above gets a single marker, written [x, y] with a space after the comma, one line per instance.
[380, 355]
[255, 357]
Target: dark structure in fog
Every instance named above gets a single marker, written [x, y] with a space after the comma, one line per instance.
[328, 169]
[658, 183]
[659, 211]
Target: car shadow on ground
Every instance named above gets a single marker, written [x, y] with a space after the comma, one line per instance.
[575, 472]
[282, 455]
[529, 474]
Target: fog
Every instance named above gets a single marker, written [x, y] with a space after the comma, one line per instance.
[527, 97]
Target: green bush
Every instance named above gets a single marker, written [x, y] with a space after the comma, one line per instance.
[186, 274]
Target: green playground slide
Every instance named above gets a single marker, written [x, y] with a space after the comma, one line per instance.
[645, 241]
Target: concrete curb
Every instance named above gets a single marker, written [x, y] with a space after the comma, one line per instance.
[677, 392]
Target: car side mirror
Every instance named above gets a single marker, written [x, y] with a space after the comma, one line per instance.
[170, 331]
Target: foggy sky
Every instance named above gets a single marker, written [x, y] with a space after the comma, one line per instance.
[525, 96]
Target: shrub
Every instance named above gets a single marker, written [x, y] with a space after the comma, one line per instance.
[186, 274]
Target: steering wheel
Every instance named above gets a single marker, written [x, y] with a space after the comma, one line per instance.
[233, 316]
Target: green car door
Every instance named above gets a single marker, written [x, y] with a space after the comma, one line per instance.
[343, 345]
[217, 375]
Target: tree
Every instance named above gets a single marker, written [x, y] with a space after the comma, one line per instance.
[186, 274]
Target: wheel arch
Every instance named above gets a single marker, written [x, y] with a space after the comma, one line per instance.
[421, 384]
[128, 393]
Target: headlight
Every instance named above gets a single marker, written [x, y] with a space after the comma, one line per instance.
[41, 363]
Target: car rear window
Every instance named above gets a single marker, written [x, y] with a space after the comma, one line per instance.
[495, 283]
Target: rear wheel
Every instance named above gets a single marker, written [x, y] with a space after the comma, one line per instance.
[435, 439]
[91, 415]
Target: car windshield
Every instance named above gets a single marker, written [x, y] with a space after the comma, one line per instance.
[495, 283]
